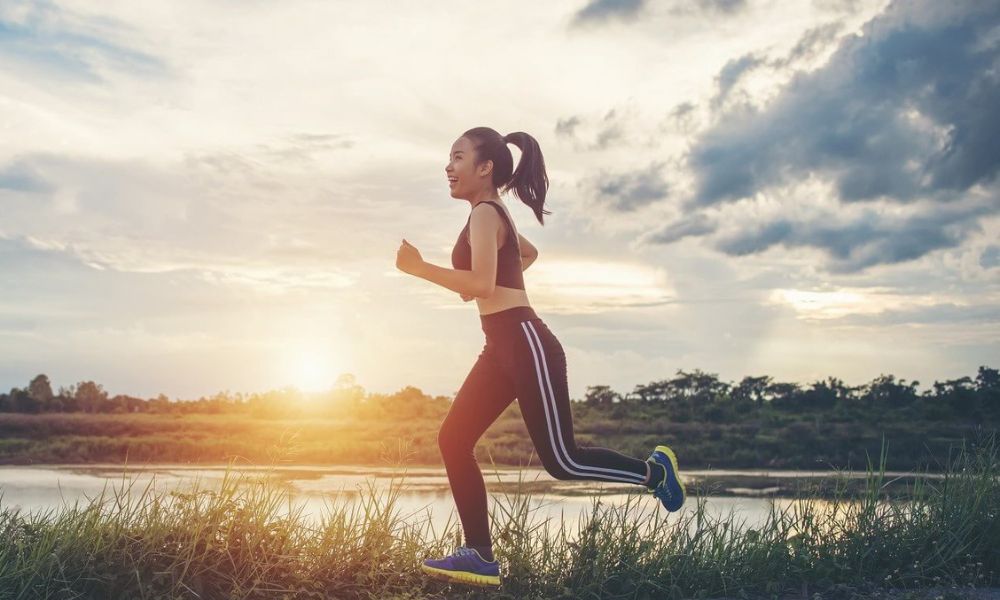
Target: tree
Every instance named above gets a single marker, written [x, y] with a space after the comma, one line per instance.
[960, 395]
[752, 389]
[783, 395]
[22, 402]
[883, 391]
[988, 389]
[656, 391]
[90, 396]
[40, 390]
[601, 394]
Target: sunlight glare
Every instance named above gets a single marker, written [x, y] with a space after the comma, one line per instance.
[312, 367]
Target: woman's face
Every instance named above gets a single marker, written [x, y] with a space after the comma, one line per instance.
[464, 179]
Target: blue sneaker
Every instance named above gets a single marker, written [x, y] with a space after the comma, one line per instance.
[671, 490]
[466, 565]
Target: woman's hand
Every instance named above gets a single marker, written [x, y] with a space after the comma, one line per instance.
[466, 297]
[408, 259]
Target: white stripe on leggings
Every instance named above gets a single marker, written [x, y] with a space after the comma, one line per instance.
[612, 474]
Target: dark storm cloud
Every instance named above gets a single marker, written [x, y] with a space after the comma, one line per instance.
[731, 73]
[905, 113]
[850, 120]
[692, 225]
[868, 240]
[808, 45]
[627, 191]
[811, 42]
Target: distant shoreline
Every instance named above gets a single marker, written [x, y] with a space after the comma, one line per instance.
[753, 483]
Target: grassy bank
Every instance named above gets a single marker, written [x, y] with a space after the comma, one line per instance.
[768, 440]
[234, 542]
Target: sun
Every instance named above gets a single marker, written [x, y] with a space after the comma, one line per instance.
[313, 368]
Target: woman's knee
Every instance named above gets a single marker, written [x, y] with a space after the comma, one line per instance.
[554, 469]
[451, 442]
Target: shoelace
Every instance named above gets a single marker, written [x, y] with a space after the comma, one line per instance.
[661, 488]
[464, 550]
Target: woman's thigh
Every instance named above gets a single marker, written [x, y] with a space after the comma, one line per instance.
[488, 389]
[543, 395]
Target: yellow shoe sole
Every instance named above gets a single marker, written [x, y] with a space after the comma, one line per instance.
[461, 577]
[673, 460]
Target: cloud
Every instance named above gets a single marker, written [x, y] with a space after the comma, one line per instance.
[602, 11]
[872, 238]
[22, 176]
[990, 257]
[903, 114]
[630, 190]
[810, 43]
[599, 11]
[566, 127]
[213, 213]
[725, 6]
[943, 313]
[904, 111]
[303, 148]
[693, 225]
[609, 129]
[731, 73]
[39, 35]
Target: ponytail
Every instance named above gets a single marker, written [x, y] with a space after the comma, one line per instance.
[528, 182]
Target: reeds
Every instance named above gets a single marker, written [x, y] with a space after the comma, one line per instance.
[247, 539]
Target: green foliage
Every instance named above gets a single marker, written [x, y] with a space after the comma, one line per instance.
[755, 423]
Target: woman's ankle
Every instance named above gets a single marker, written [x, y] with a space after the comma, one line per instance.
[485, 551]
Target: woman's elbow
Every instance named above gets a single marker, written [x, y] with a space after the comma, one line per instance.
[485, 289]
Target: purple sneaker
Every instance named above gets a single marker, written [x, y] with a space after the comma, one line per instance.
[464, 566]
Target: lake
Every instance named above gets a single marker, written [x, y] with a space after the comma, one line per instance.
[745, 496]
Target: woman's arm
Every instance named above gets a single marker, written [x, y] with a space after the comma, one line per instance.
[456, 280]
[481, 280]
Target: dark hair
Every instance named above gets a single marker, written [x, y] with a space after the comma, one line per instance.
[529, 181]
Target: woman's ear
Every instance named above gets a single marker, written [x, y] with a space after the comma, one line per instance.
[486, 168]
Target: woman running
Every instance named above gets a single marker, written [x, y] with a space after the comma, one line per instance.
[521, 358]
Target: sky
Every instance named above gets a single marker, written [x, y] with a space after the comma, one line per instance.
[208, 196]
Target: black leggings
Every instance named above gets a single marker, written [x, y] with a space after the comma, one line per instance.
[521, 359]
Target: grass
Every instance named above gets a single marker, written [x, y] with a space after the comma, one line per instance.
[246, 539]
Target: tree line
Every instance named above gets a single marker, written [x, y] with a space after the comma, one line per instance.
[688, 396]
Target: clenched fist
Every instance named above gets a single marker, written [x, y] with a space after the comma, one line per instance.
[408, 259]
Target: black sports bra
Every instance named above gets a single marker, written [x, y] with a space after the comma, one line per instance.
[509, 268]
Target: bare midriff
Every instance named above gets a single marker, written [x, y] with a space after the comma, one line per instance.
[501, 299]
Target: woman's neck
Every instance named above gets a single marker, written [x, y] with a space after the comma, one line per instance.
[483, 197]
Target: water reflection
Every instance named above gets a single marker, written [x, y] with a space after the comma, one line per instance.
[424, 493]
